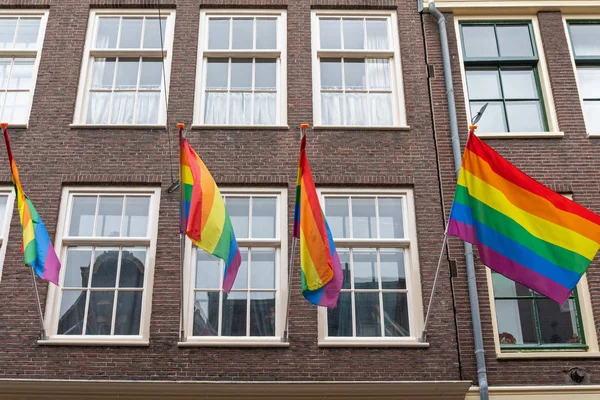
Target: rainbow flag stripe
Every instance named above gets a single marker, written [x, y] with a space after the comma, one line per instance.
[522, 229]
[321, 269]
[204, 215]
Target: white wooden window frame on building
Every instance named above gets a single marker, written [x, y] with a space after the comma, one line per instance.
[396, 79]
[9, 193]
[36, 53]
[61, 245]
[544, 78]
[279, 243]
[90, 53]
[279, 54]
[411, 265]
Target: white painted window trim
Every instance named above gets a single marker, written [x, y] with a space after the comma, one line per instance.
[37, 53]
[412, 270]
[397, 81]
[546, 88]
[281, 51]
[281, 277]
[85, 77]
[60, 244]
[499, 7]
[5, 228]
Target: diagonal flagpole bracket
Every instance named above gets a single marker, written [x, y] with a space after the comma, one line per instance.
[423, 337]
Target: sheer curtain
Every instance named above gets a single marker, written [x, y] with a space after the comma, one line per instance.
[122, 107]
[240, 108]
[356, 109]
[331, 105]
[147, 107]
[215, 111]
[98, 107]
[264, 109]
[380, 104]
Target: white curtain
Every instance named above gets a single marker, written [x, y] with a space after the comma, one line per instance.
[357, 109]
[147, 107]
[122, 108]
[264, 109]
[98, 108]
[331, 107]
[239, 108]
[215, 111]
[378, 73]
[381, 109]
[377, 35]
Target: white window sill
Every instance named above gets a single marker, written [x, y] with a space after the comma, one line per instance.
[117, 126]
[94, 341]
[18, 126]
[238, 127]
[234, 342]
[521, 135]
[546, 354]
[362, 127]
[372, 342]
[594, 135]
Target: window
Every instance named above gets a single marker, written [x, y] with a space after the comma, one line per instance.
[242, 68]
[21, 38]
[107, 241]
[586, 52]
[356, 70]
[375, 236]
[7, 201]
[122, 78]
[501, 68]
[254, 309]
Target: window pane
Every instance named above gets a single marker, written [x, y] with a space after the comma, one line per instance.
[354, 74]
[242, 33]
[108, 221]
[241, 73]
[363, 218]
[152, 30]
[108, 30]
[395, 314]
[206, 314]
[514, 41]
[263, 269]
[378, 71]
[519, 84]
[262, 314]
[98, 106]
[151, 75]
[266, 33]
[103, 73]
[331, 73]
[5, 67]
[585, 38]
[380, 108]
[22, 71]
[72, 307]
[331, 105]
[391, 225]
[525, 116]
[82, 216]
[133, 262]
[263, 217]
[589, 82]
[493, 120]
[240, 108]
[354, 34]
[216, 73]
[215, 110]
[479, 41]
[377, 34]
[330, 33]
[234, 314]
[591, 111]
[393, 275]
[137, 210]
[558, 323]
[266, 74]
[27, 33]
[129, 311]
[241, 280]
[365, 269]
[264, 109]
[239, 209]
[208, 271]
[77, 267]
[218, 33]
[505, 287]
[339, 319]
[104, 273]
[357, 108]
[16, 107]
[337, 213]
[483, 84]
[344, 255]
[99, 316]
[516, 322]
[131, 33]
[368, 318]
[147, 107]
[3, 201]
[123, 107]
[8, 28]
[127, 73]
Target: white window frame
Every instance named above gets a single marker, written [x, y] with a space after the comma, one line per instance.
[89, 53]
[63, 241]
[281, 276]
[397, 81]
[28, 53]
[544, 77]
[5, 228]
[203, 52]
[412, 271]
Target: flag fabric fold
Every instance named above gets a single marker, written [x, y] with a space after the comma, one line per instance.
[204, 216]
[522, 229]
[321, 269]
[38, 252]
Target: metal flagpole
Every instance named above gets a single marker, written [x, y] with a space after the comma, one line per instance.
[285, 338]
[181, 239]
[4, 126]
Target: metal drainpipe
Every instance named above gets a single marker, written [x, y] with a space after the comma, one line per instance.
[456, 152]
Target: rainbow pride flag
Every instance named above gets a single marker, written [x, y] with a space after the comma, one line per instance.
[522, 229]
[38, 252]
[320, 265]
[204, 217]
